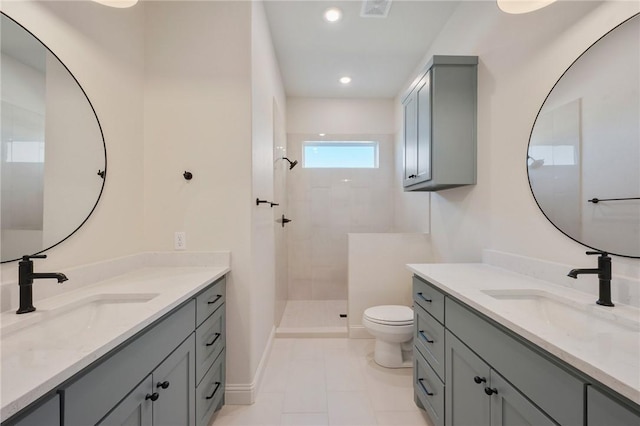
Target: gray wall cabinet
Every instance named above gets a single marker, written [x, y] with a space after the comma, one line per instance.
[493, 376]
[156, 378]
[440, 125]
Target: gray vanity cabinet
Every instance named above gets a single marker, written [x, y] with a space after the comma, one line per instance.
[440, 125]
[477, 395]
[604, 410]
[44, 413]
[467, 375]
[165, 397]
[134, 409]
[482, 373]
[510, 408]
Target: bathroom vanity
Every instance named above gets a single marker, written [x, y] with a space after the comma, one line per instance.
[145, 348]
[498, 348]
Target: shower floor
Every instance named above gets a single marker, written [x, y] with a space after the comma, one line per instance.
[313, 318]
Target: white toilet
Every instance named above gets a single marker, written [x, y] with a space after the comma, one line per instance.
[392, 326]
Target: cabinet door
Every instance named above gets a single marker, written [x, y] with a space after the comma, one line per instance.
[424, 129]
[605, 411]
[134, 410]
[174, 381]
[410, 107]
[510, 408]
[467, 375]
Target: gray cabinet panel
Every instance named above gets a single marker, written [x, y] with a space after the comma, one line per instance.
[210, 340]
[565, 403]
[430, 299]
[424, 129]
[135, 408]
[44, 414]
[510, 408]
[466, 401]
[603, 410]
[209, 300]
[429, 389]
[210, 392]
[410, 108]
[90, 397]
[429, 339]
[174, 382]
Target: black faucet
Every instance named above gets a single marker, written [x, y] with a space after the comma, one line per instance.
[25, 281]
[604, 275]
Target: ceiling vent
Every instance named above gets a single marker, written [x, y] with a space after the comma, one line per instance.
[375, 8]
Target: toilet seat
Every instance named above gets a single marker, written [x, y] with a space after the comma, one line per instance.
[391, 315]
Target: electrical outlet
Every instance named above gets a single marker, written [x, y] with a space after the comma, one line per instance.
[180, 241]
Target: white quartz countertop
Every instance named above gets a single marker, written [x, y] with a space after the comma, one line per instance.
[36, 358]
[575, 329]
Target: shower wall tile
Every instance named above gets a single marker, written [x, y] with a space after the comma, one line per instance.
[326, 205]
[300, 289]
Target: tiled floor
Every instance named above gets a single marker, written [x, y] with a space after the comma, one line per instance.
[330, 381]
[313, 318]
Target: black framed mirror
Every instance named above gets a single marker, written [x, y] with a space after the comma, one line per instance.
[583, 160]
[53, 155]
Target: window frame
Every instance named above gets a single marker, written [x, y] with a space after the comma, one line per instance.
[345, 144]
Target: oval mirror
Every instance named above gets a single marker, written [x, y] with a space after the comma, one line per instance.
[583, 160]
[53, 156]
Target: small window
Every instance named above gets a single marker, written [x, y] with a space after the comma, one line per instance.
[25, 152]
[340, 154]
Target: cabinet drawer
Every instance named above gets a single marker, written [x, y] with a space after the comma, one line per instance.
[428, 337]
[527, 369]
[429, 389]
[210, 340]
[209, 300]
[91, 396]
[430, 299]
[210, 392]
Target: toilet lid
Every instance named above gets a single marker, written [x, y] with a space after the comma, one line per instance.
[390, 314]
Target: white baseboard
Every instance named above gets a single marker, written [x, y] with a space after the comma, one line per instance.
[359, 332]
[245, 394]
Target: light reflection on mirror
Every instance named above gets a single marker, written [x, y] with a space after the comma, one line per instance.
[585, 144]
[51, 147]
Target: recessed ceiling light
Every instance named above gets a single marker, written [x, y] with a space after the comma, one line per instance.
[321, 134]
[333, 14]
[345, 80]
[117, 3]
[522, 6]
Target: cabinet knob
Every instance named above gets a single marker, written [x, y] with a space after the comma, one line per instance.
[154, 396]
[479, 379]
[412, 177]
[490, 391]
[163, 385]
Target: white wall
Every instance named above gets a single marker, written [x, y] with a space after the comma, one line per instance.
[173, 98]
[268, 99]
[198, 118]
[378, 274]
[519, 64]
[340, 116]
[103, 47]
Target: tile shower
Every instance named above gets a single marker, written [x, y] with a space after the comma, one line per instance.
[325, 205]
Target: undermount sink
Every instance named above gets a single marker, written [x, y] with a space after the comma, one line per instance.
[573, 318]
[84, 315]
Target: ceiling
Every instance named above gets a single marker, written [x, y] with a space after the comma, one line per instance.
[379, 54]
